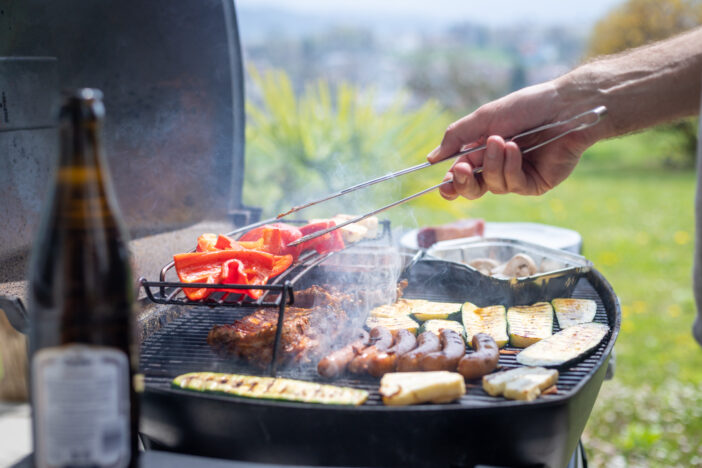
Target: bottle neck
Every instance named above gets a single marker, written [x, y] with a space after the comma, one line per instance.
[83, 182]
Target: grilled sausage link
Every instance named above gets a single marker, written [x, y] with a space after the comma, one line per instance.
[427, 342]
[483, 360]
[380, 340]
[385, 362]
[335, 363]
[452, 350]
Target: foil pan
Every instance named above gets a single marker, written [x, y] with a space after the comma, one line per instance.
[558, 270]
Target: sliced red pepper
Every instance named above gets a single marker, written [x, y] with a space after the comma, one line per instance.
[235, 272]
[274, 238]
[289, 232]
[201, 293]
[330, 242]
[206, 242]
[207, 267]
[227, 243]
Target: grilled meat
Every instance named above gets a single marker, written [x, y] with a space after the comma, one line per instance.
[307, 332]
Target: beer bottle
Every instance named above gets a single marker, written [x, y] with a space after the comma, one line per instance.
[81, 302]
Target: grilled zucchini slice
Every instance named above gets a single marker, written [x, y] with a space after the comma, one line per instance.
[427, 310]
[270, 388]
[571, 312]
[491, 320]
[400, 322]
[529, 324]
[565, 346]
[400, 308]
[435, 326]
[407, 388]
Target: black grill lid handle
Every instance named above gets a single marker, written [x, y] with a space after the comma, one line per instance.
[16, 313]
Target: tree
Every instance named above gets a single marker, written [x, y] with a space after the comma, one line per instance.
[639, 22]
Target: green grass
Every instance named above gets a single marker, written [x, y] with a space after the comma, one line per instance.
[637, 224]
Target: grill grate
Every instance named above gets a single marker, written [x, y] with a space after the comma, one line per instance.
[181, 346]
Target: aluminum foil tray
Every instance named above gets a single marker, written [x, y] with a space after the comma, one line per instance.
[558, 274]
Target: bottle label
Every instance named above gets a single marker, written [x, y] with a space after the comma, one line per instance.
[81, 406]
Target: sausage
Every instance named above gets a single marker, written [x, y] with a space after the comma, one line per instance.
[385, 362]
[335, 363]
[427, 342]
[483, 360]
[452, 350]
[380, 340]
[428, 236]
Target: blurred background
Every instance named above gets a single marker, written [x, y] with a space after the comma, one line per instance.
[338, 92]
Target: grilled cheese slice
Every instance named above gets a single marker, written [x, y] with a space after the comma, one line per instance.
[494, 384]
[521, 383]
[408, 388]
[530, 385]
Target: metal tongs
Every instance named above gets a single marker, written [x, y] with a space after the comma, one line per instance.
[597, 114]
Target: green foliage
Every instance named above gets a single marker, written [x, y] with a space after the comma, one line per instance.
[299, 148]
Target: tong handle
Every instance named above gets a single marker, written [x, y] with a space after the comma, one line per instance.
[598, 113]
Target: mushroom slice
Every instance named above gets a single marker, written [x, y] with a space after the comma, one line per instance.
[520, 265]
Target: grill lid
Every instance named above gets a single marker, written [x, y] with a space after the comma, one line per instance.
[171, 73]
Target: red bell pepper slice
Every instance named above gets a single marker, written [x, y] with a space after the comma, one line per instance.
[207, 267]
[329, 242]
[235, 272]
[288, 231]
[206, 242]
[274, 238]
[227, 243]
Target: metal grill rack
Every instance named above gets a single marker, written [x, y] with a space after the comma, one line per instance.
[181, 347]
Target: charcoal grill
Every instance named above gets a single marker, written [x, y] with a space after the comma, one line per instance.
[477, 429]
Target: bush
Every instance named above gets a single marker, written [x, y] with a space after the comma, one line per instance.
[300, 148]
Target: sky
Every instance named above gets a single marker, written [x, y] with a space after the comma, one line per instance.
[492, 12]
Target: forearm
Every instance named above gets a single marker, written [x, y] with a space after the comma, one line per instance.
[642, 87]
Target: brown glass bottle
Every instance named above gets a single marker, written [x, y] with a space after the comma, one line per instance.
[81, 302]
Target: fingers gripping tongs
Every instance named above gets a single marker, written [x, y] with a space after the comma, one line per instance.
[587, 119]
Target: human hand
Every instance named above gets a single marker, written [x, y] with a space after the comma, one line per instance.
[505, 168]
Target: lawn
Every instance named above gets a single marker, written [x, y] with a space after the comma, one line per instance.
[637, 224]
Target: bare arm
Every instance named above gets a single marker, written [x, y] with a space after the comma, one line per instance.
[642, 87]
